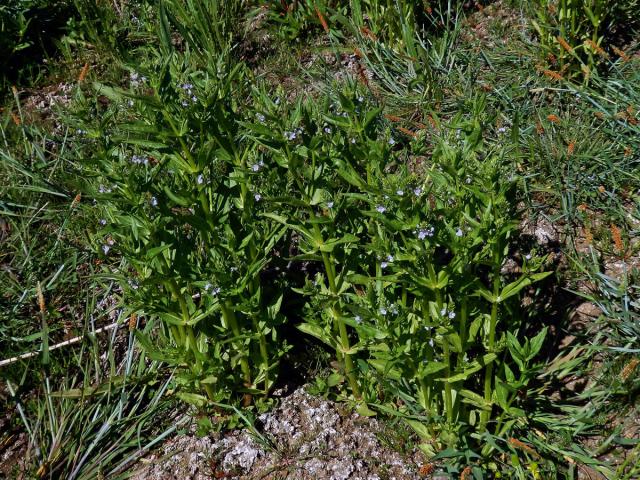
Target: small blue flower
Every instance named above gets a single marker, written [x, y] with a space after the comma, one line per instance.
[425, 232]
[459, 232]
[154, 202]
[257, 197]
[381, 209]
[260, 117]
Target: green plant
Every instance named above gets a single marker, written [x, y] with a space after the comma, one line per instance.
[27, 28]
[576, 35]
[179, 200]
[410, 286]
[104, 415]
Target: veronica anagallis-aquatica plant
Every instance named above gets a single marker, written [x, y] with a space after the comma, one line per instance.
[410, 290]
[178, 190]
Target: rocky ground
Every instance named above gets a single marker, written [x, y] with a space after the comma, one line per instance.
[307, 438]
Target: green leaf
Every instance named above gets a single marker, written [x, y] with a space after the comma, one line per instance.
[385, 367]
[536, 343]
[474, 399]
[524, 281]
[171, 318]
[420, 428]
[364, 410]
[317, 332]
[433, 367]
[329, 245]
[473, 368]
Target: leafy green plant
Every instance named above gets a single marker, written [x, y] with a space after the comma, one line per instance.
[410, 284]
[179, 199]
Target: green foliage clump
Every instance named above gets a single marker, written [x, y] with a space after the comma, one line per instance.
[28, 30]
[578, 36]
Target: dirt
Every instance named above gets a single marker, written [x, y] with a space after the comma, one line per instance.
[305, 437]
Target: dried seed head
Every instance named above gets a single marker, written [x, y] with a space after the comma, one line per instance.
[392, 118]
[523, 446]
[76, 200]
[627, 151]
[133, 321]
[588, 236]
[571, 148]
[553, 118]
[621, 54]
[564, 44]
[616, 236]
[41, 303]
[368, 33]
[408, 132]
[628, 369]
[466, 473]
[553, 75]
[427, 469]
[16, 119]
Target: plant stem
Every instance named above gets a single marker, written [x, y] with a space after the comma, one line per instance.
[448, 397]
[231, 320]
[426, 384]
[337, 317]
[488, 374]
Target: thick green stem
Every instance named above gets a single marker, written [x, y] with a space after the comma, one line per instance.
[488, 374]
[188, 337]
[339, 323]
[232, 322]
[427, 383]
[448, 396]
